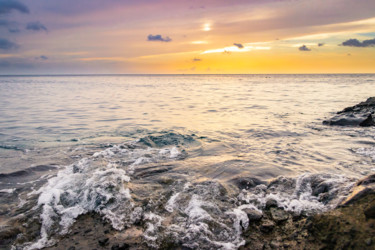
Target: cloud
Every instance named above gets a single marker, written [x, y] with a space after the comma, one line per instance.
[11, 26]
[158, 38]
[304, 48]
[6, 6]
[239, 45]
[321, 44]
[36, 26]
[42, 57]
[197, 59]
[7, 45]
[356, 43]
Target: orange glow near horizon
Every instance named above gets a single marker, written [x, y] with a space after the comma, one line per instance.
[214, 37]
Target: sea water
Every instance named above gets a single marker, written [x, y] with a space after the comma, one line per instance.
[173, 150]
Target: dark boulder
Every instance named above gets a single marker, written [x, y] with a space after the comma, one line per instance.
[357, 115]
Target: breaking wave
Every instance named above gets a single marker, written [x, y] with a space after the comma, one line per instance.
[193, 213]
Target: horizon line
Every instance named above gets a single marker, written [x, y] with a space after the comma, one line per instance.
[178, 74]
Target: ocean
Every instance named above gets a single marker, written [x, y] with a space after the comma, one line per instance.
[180, 155]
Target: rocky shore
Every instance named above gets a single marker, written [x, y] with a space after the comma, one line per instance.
[361, 114]
[349, 226]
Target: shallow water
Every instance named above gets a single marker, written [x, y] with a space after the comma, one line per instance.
[111, 144]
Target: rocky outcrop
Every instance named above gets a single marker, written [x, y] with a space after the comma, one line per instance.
[350, 226]
[361, 114]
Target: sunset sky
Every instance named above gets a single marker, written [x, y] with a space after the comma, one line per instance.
[186, 37]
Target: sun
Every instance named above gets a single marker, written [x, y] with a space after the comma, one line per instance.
[207, 27]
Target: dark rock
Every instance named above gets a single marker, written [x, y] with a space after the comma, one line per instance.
[357, 194]
[72, 248]
[103, 242]
[368, 242]
[321, 188]
[247, 182]
[278, 214]
[122, 246]
[370, 210]
[253, 215]
[274, 244]
[267, 226]
[368, 122]
[271, 203]
[367, 180]
[358, 115]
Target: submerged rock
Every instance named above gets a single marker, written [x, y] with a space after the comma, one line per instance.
[358, 115]
[278, 215]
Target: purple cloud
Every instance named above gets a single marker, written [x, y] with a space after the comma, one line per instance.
[239, 45]
[158, 38]
[6, 6]
[356, 43]
[5, 44]
[304, 48]
[36, 26]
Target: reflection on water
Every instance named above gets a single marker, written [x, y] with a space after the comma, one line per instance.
[186, 155]
[266, 125]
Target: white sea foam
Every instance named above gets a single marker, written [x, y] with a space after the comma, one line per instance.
[95, 184]
[297, 195]
[9, 190]
[369, 152]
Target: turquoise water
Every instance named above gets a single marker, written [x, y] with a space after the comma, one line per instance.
[192, 128]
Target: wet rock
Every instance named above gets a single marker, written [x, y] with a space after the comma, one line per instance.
[368, 122]
[367, 180]
[8, 233]
[247, 182]
[253, 215]
[370, 210]
[103, 242]
[271, 203]
[368, 242]
[274, 244]
[321, 188]
[267, 226]
[278, 214]
[122, 246]
[358, 193]
[358, 115]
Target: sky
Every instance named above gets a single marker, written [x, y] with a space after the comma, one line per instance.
[186, 37]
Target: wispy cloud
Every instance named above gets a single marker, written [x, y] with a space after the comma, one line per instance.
[357, 43]
[42, 57]
[304, 48]
[5, 44]
[236, 49]
[197, 59]
[321, 44]
[10, 26]
[158, 38]
[6, 6]
[36, 26]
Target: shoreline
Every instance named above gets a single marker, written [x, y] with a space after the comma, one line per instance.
[350, 225]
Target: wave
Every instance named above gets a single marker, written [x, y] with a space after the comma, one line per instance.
[187, 212]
